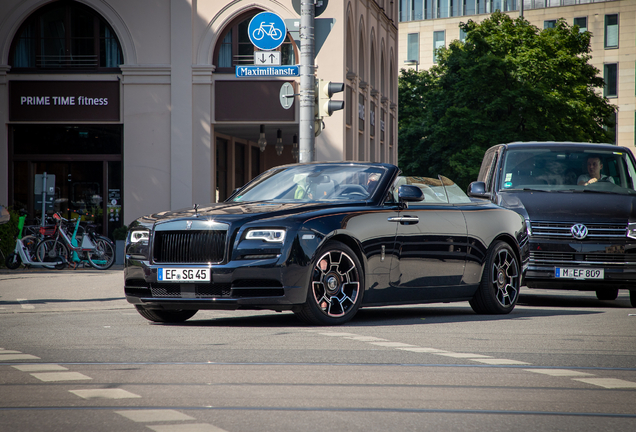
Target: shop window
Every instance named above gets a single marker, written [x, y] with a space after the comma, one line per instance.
[235, 48]
[65, 35]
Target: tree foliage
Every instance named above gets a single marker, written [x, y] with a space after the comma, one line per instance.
[509, 81]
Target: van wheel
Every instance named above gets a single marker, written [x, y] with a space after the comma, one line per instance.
[607, 294]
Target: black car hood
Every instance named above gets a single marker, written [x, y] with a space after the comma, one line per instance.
[237, 210]
[570, 207]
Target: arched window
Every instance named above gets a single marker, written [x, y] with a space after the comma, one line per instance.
[382, 73]
[349, 48]
[65, 35]
[235, 48]
[372, 73]
[361, 73]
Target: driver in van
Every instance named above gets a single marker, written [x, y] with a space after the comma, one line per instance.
[594, 167]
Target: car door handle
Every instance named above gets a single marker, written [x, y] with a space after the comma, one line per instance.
[405, 219]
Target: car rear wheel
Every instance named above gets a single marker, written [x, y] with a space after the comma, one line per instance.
[632, 297]
[499, 288]
[607, 294]
[336, 288]
[165, 316]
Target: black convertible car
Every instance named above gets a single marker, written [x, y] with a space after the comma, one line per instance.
[323, 240]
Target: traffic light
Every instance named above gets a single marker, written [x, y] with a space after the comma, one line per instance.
[325, 90]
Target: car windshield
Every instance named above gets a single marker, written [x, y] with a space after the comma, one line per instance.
[314, 182]
[568, 170]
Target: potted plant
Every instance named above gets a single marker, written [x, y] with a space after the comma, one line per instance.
[119, 235]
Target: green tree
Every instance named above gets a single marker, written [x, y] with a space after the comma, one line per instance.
[509, 81]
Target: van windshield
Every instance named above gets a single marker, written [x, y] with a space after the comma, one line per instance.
[557, 169]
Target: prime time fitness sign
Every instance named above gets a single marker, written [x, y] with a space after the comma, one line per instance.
[63, 100]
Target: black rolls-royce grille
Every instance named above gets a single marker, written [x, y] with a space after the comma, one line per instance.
[561, 231]
[189, 246]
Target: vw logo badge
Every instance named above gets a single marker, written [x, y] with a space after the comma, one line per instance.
[189, 225]
[579, 231]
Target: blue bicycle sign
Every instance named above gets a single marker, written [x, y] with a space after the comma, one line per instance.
[267, 31]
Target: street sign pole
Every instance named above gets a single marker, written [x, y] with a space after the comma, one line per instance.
[306, 134]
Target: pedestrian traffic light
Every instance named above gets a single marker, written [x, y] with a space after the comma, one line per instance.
[326, 89]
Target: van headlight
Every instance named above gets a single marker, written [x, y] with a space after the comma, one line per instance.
[631, 230]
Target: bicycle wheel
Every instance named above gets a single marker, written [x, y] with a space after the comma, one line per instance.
[48, 250]
[258, 34]
[103, 257]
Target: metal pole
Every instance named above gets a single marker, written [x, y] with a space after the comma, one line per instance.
[521, 8]
[306, 133]
[43, 220]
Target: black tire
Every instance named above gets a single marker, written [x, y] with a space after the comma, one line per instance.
[165, 316]
[632, 298]
[50, 251]
[103, 257]
[336, 288]
[499, 288]
[13, 261]
[607, 294]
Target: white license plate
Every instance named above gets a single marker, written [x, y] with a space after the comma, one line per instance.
[575, 273]
[166, 274]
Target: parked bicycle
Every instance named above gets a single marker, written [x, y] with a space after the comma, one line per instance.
[25, 252]
[89, 247]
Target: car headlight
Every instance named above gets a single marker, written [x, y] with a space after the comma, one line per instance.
[631, 230]
[528, 227]
[136, 236]
[137, 244]
[268, 235]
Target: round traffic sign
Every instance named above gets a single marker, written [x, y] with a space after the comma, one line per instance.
[267, 31]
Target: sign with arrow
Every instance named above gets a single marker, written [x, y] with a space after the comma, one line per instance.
[267, 58]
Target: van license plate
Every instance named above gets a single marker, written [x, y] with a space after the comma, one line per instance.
[575, 273]
[183, 275]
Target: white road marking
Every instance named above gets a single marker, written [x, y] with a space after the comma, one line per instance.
[9, 357]
[40, 367]
[559, 372]
[193, 427]
[610, 383]
[3, 351]
[495, 361]
[154, 415]
[24, 305]
[366, 338]
[423, 350]
[461, 355]
[392, 344]
[60, 376]
[105, 394]
[337, 334]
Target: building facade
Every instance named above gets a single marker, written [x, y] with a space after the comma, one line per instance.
[137, 107]
[429, 24]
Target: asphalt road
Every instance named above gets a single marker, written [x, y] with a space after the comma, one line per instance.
[75, 356]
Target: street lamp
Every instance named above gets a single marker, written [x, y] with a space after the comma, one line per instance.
[415, 63]
[262, 142]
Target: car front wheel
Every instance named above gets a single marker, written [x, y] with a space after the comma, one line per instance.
[498, 291]
[632, 297]
[165, 316]
[336, 288]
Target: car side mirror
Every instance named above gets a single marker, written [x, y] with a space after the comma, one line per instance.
[478, 190]
[410, 193]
